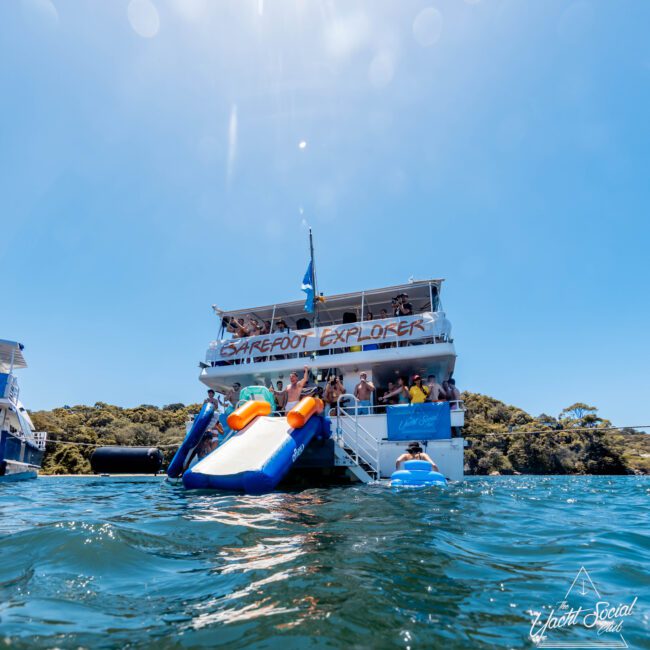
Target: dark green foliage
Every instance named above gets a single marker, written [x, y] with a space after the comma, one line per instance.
[507, 440]
[502, 438]
[104, 424]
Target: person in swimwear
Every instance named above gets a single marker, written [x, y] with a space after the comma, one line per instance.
[215, 401]
[363, 392]
[280, 395]
[294, 388]
[401, 392]
[414, 452]
[208, 443]
[233, 394]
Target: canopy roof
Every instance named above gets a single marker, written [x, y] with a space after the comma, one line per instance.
[333, 307]
[7, 348]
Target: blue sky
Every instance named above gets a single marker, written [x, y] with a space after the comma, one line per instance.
[150, 167]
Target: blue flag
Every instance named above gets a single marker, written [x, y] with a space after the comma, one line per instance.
[308, 288]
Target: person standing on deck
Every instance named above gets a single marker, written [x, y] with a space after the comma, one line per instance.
[453, 394]
[295, 388]
[280, 395]
[401, 393]
[280, 328]
[436, 392]
[215, 401]
[363, 392]
[333, 391]
[233, 394]
[418, 392]
[402, 305]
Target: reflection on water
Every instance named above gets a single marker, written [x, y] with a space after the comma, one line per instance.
[104, 563]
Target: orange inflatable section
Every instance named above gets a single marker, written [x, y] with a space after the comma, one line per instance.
[246, 413]
[303, 410]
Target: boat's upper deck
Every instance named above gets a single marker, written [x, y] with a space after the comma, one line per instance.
[395, 329]
[11, 356]
[366, 320]
[424, 295]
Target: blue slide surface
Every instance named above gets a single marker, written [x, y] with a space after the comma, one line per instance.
[255, 459]
[192, 439]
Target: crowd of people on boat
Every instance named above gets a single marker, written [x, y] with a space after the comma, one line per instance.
[248, 325]
[369, 397]
[241, 327]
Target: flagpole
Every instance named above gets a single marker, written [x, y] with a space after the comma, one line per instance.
[313, 277]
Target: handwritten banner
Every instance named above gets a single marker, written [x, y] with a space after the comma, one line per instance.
[332, 337]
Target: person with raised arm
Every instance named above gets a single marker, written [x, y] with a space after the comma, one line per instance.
[401, 392]
[280, 395]
[333, 391]
[363, 392]
[295, 387]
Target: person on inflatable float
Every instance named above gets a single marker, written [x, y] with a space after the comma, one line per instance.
[414, 452]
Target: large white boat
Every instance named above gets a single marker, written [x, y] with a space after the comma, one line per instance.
[21, 447]
[346, 335]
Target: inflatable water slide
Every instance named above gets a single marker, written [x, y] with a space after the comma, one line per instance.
[260, 452]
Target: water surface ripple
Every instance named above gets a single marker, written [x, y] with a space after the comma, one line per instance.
[137, 563]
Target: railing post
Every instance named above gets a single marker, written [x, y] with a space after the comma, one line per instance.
[356, 427]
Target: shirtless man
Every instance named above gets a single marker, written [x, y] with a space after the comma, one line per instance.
[233, 394]
[414, 452]
[212, 399]
[453, 394]
[436, 391]
[280, 395]
[294, 388]
[235, 327]
[333, 391]
[363, 392]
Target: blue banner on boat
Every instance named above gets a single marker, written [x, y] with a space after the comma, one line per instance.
[428, 421]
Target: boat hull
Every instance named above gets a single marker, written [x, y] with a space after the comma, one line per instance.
[16, 472]
[19, 458]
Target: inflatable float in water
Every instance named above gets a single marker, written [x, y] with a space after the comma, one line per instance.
[416, 473]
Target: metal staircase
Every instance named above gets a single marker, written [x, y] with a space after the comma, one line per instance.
[356, 448]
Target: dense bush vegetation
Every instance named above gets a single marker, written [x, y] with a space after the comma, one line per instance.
[103, 424]
[502, 438]
[507, 440]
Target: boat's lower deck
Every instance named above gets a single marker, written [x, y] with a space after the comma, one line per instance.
[19, 458]
[320, 464]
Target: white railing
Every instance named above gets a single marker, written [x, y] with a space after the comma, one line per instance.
[354, 436]
[40, 438]
[9, 387]
[380, 409]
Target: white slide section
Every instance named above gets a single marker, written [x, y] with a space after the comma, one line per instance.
[248, 449]
[256, 458]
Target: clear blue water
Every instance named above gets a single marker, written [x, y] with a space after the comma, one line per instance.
[137, 563]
